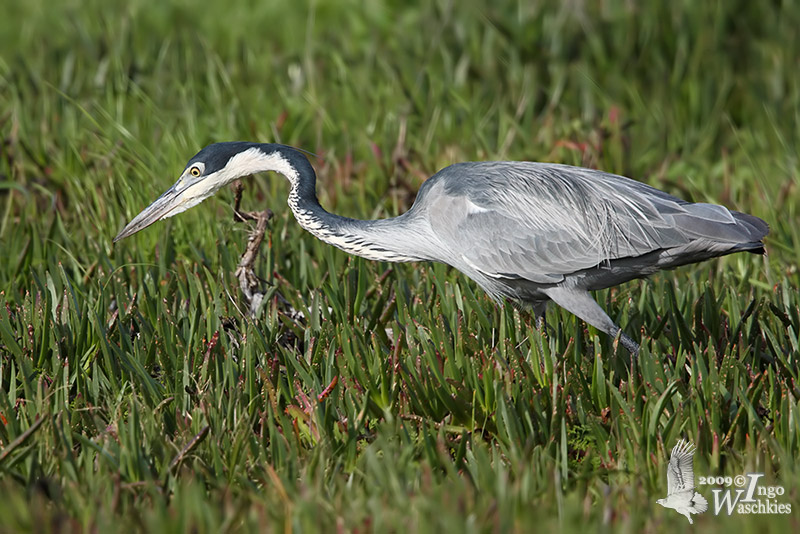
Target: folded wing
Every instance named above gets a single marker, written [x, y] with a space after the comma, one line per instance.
[544, 221]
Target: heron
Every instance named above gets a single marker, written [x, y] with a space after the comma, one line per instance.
[525, 232]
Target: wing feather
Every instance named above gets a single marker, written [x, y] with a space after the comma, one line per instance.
[544, 221]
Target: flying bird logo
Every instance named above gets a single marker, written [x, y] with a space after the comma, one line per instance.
[681, 496]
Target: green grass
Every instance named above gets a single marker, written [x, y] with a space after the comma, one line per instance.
[135, 395]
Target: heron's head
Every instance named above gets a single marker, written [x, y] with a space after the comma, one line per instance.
[209, 170]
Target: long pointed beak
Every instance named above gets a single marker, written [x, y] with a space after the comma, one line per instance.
[163, 207]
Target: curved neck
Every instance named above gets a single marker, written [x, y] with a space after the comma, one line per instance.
[398, 239]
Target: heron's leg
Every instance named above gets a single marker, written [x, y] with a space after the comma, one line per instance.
[539, 313]
[581, 303]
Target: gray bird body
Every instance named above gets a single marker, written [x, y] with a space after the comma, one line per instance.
[523, 227]
[528, 232]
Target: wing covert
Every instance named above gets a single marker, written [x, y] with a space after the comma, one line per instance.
[543, 221]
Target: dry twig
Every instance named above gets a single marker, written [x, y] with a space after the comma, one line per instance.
[248, 281]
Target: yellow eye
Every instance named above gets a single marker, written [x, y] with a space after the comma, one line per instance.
[194, 171]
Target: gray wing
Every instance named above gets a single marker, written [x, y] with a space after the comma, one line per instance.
[680, 471]
[543, 221]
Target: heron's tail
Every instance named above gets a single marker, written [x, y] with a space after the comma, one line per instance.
[699, 503]
[724, 228]
[754, 229]
[715, 231]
